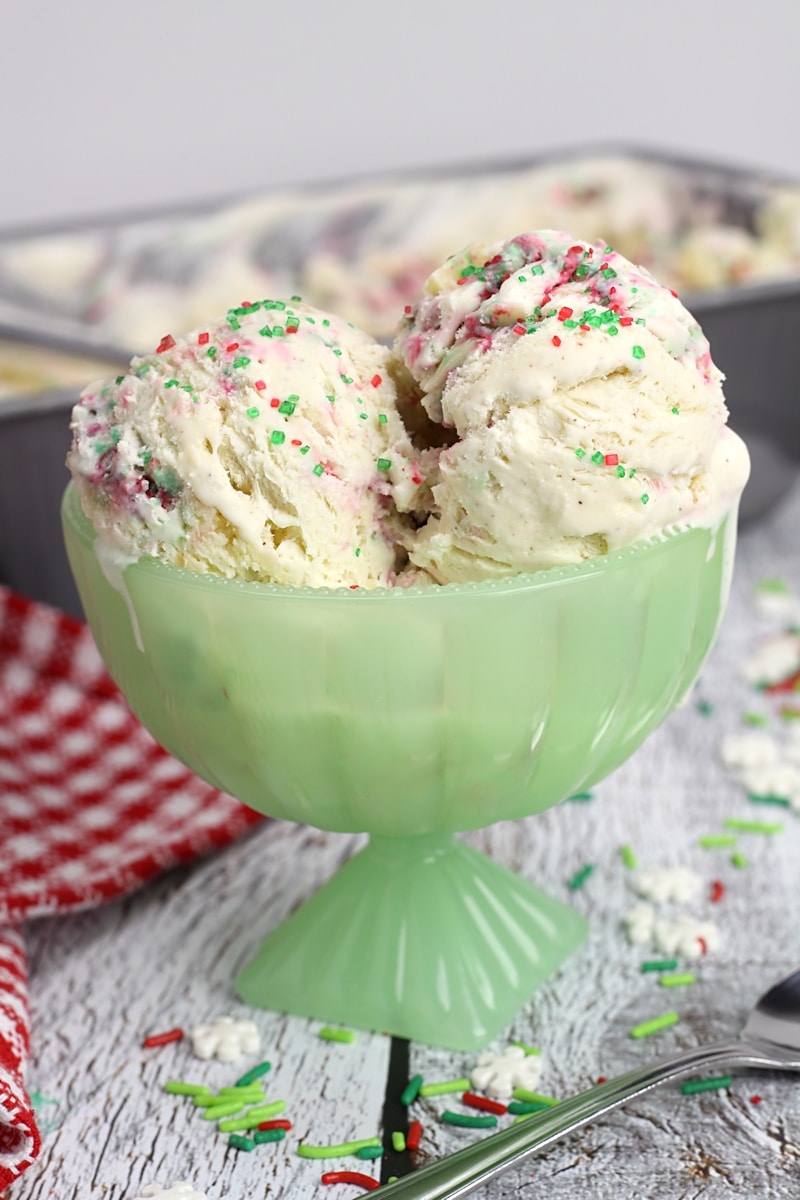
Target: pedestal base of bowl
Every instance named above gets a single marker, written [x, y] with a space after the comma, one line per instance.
[420, 937]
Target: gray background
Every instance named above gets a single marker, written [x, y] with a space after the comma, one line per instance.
[110, 106]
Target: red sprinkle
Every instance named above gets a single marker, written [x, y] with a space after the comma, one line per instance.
[601, 1079]
[564, 313]
[703, 945]
[163, 1039]
[416, 479]
[585, 328]
[291, 329]
[274, 402]
[575, 250]
[166, 343]
[791, 684]
[202, 339]
[611, 290]
[296, 442]
[717, 891]
[232, 346]
[246, 304]
[260, 385]
[357, 1177]
[414, 1135]
[675, 294]
[626, 321]
[556, 340]
[473, 1101]
[753, 1100]
[612, 460]
[280, 1123]
[407, 308]
[376, 381]
[518, 330]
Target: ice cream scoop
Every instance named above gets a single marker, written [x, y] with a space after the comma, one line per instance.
[585, 407]
[263, 446]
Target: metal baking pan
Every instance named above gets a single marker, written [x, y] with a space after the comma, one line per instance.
[752, 328]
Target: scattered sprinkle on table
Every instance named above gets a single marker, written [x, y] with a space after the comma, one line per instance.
[254, 1073]
[329, 1034]
[660, 964]
[465, 1121]
[369, 1153]
[356, 1177]
[341, 1150]
[706, 1085]
[521, 1093]
[163, 1039]
[445, 1087]
[261, 1136]
[241, 1143]
[177, 1087]
[398, 1141]
[411, 1090]
[484, 1104]
[414, 1136]
[580, 877]
[739, 861]
[655, 1025]
[519, 1108]
[713, 840]
[628, 857]
[753, 826]
[681, 980]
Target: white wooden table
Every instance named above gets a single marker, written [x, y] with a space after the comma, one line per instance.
[102, 980]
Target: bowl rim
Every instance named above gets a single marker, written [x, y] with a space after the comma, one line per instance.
[74, 518]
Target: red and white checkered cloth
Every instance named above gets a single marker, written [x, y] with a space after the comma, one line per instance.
[90, 808]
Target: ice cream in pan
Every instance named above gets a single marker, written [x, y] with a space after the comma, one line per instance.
[577, 405]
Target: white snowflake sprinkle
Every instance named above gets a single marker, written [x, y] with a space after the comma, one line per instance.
[639, 924]
[498, 1074]
[686, 937]
[180, 1190]
[225, 1039]
[664, 884]
[744, 750]
[776, 659]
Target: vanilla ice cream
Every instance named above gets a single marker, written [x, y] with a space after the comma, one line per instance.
[585, 410]
[264, 446]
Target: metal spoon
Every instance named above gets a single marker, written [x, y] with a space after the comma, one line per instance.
[770, 1039]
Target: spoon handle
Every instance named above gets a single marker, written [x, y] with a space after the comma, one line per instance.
[459, 1173]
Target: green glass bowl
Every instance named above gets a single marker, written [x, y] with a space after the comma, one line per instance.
[410, 714]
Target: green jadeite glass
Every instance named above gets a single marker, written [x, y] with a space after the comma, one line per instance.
[411, 714]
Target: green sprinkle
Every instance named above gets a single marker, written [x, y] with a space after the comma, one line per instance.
[445, 1087]
[326, 322]
[704, 708]
[211, 352]
[580, 452]
[337, 351]
[241, 1143]
[579, 879]
[739, 860]
[216, 1111]
[287, 407]
[631, 473]
[640, 320]
[338, 1151]
[268, 1135]
[628, 857]
[176, 1087]
[612, 331]
[119, 378]
[780, 801]
[655, 1026]
[384, 464]
[521, 279]
[358, 551]
[241, 361]
[411, 1090]
[264, 1112]
[659, 964]
[711, 841]
[234, 324]
[528, 1049]
[329, 1034]
[610, 250]
[277, 437]
[538, 269]
[304, 449]
[253, 413]
[279, 305]
[675, 410]
[637, 351]
[382, 418]
[521, 1093]
[466, 1122]
[363, 416]
[608, 273]
[519, 1108]
[621, 471]
[254, 1073]
[645, 498]
[706, 1085]
[369, 1152]
[681, 980]
[753, 826]
[296, 299]
[568, 323]
[206, 1100]
[248, 1094]
[581, 270]
[318, 469]
[398, 1141]
[346, 378]
[598, 458]
[581, 796]
[774, 585]
[266, 331]
[171, 383]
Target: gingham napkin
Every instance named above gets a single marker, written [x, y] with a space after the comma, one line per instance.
[90, 807]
